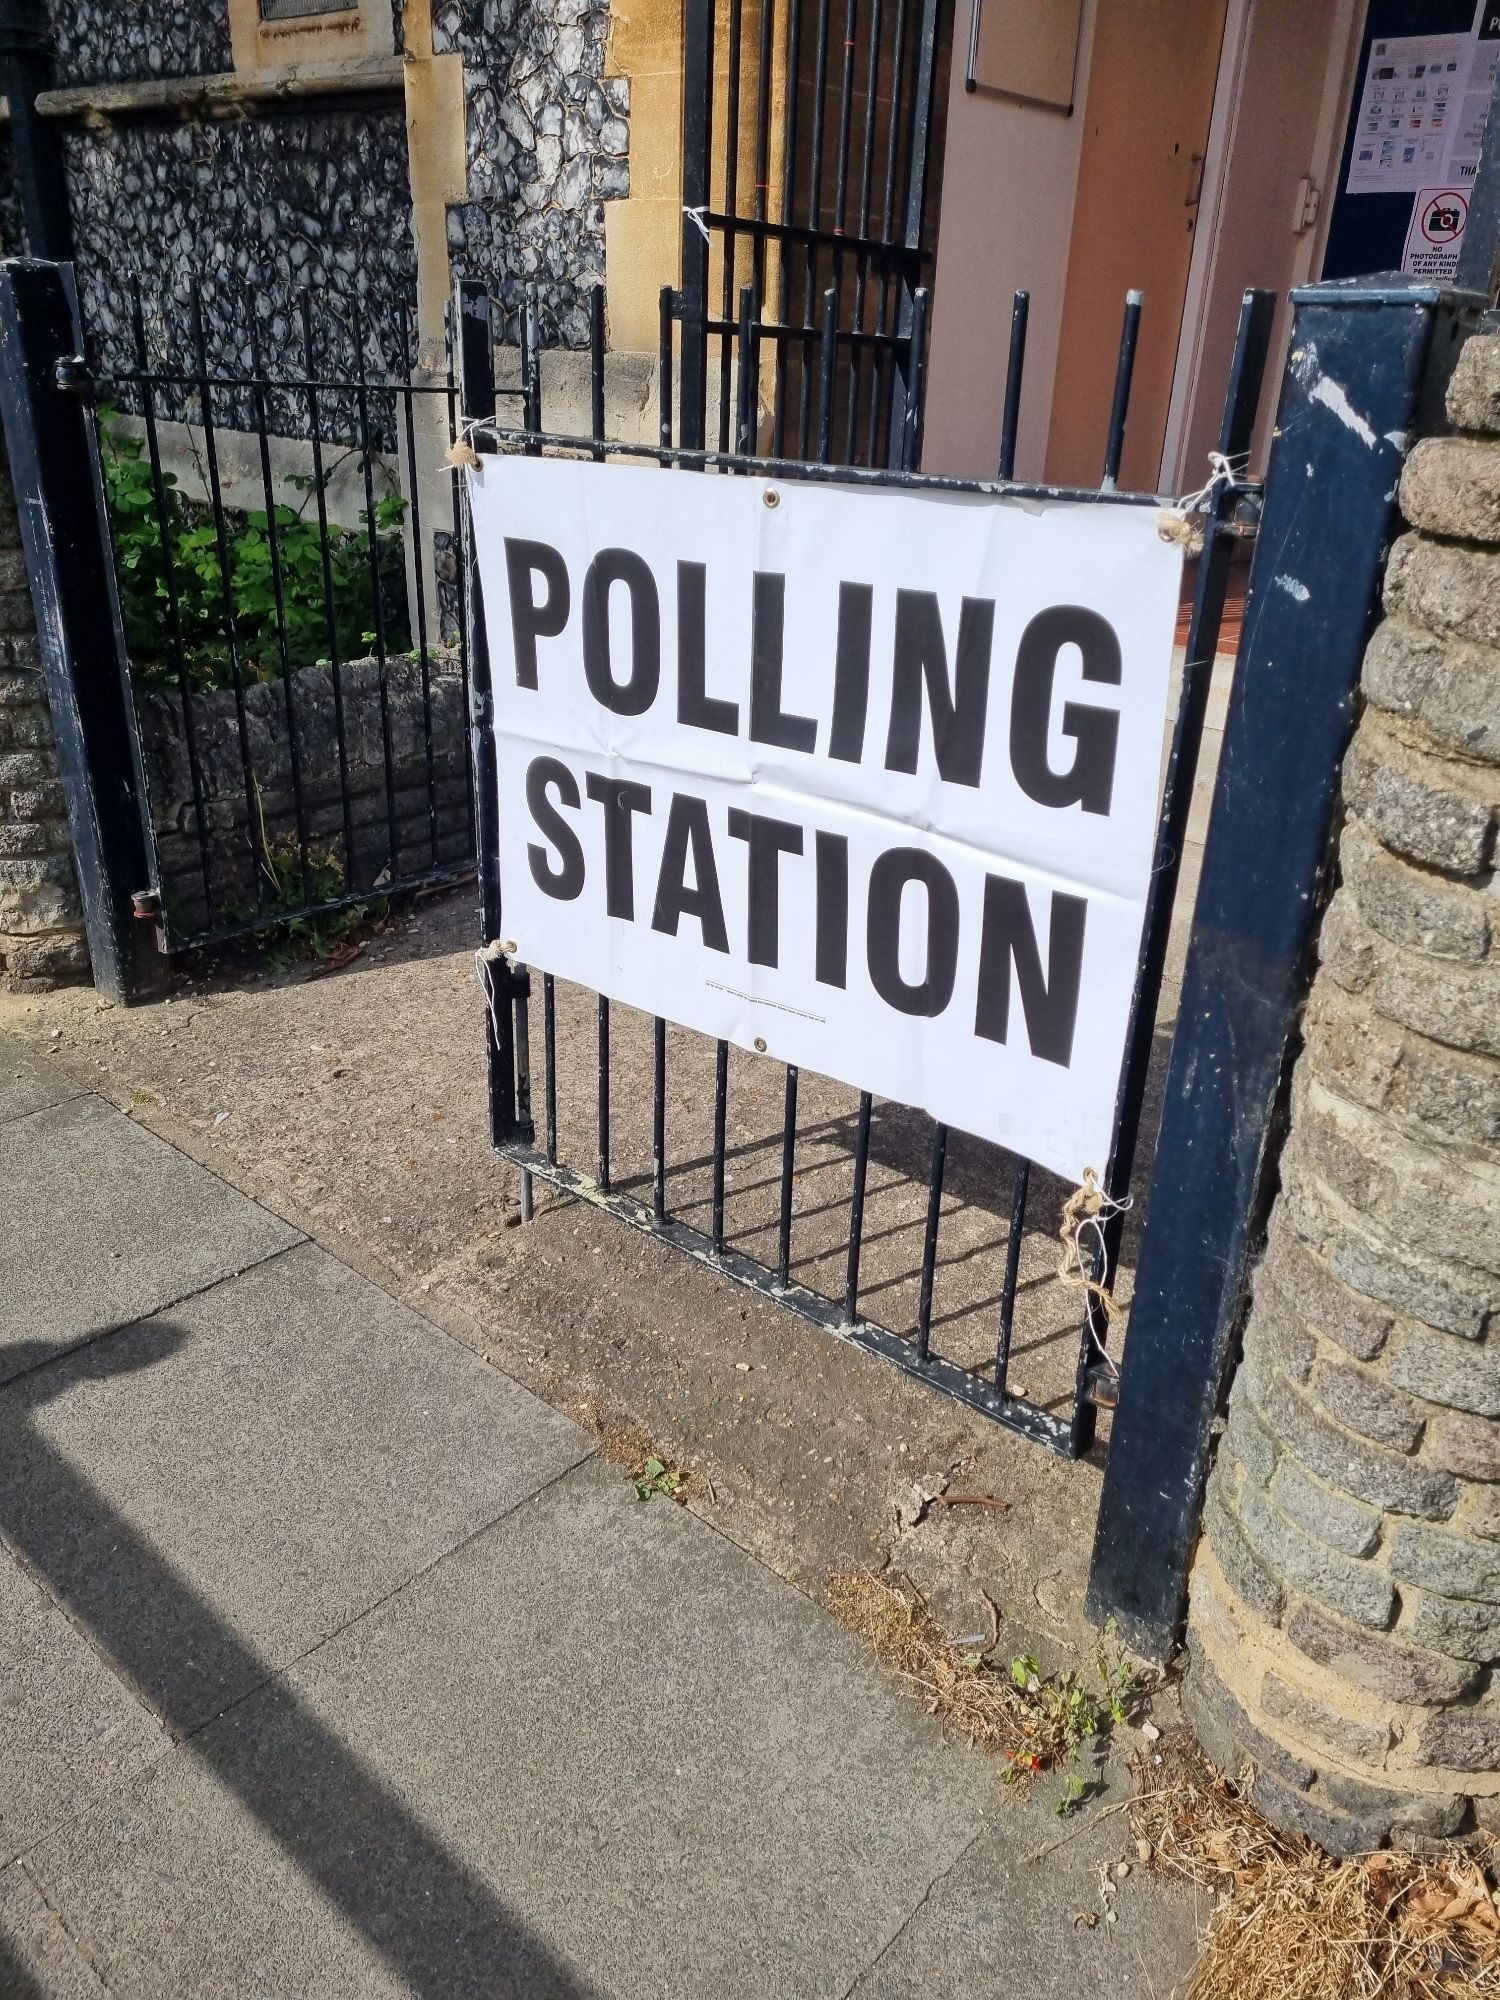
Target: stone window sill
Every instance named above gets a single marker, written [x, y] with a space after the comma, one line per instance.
[226, 92]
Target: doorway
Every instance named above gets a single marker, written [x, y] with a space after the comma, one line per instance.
[1149, 106]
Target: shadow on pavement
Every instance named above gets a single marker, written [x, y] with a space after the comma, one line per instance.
[437, 1925]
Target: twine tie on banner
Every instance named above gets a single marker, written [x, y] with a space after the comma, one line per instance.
[1179, 522]
[1082, 1234]
[483, 959]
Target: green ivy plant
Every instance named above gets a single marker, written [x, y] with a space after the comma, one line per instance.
[141, 566]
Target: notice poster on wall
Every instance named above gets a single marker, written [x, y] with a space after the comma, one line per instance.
[1411, 110]
[865, 779]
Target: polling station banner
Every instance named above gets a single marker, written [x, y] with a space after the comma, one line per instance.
[863, 778]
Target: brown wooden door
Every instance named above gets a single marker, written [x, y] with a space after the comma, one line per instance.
[1150, 99]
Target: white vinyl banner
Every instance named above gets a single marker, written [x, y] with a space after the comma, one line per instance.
[863, 778]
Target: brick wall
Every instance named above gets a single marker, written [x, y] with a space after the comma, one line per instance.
[41, 924]
[1345, 1621]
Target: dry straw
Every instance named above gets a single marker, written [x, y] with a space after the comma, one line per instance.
[1292, 1923]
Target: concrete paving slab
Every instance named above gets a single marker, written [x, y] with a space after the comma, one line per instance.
[67, 1726]
[595, 1751]
[101, 1222]
[28, 1082]
[1011, 1928]
[216, 1489]
[38, 1960]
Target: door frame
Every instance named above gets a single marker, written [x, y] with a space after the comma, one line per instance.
[1188, 380]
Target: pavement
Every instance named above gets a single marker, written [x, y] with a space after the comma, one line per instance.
[334, 1662]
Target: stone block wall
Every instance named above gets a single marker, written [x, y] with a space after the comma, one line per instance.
[336, 794]
[41, 920]
[1345, 1623]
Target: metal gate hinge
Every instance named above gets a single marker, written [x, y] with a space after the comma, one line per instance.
[146, 903]
[73, 375]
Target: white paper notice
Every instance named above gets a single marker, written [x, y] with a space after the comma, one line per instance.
[1434, 234]
[864, 778]
[1411, 113]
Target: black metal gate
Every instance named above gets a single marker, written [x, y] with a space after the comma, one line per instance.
[1065, 1421]
[294, 728]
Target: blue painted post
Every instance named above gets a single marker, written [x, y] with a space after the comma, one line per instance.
[1363, 355]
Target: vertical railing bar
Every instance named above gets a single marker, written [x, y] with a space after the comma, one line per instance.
[596, 366]
[549, 1060]
[788, 180]
[603, 1099]
[872, 92]
[827, 374]
[762, 145]
[474, 345]
[664, 371]
[658, 1025]
[880, 398]
[1020, 312]
[862, 261]
[531, 367]
[814, 213]
[377, 594]
[520, 982]
[519, 985]
[1019, 1186]
[788, 1166]
[697, 147]
[721, 1117]
[911, 429]
[596, 421]
[841, 197]
[419, 566]
[461, 619]
[659, 1118]
[857, 1208]
[893, 130]
[278, 600]
[731, 200]
[174, 602]
[1130, 329]
[744, 426]
[930, 1238]
[330, 612]
[231, 630]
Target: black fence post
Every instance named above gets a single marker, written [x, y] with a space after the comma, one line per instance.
[1363, 353]
[476, 384]
[697, 139]
[54, 463]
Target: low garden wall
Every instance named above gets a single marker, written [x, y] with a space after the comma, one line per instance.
[41, 918]
[358, 837]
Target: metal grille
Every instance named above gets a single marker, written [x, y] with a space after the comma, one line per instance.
[809, 145]
[658, 1204]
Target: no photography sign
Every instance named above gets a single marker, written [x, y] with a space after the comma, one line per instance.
[866, 778]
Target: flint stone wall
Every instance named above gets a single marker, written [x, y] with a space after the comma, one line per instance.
[1345, 1620]
[431, 809]
[547, 136]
